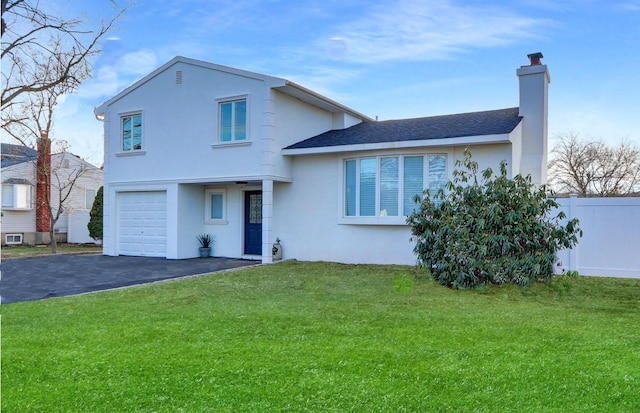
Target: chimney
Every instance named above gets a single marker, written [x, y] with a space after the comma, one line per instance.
[534, 58]
[43, 186]
[534, 82]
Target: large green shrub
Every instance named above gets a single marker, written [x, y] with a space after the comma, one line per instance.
[489, 229]
[95, 217]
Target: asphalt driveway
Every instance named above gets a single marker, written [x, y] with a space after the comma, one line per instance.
[27, 279]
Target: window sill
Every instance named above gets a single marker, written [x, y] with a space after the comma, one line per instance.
[14, 209]
[216, 222]
[230, 144]
[131, 153]
[394, 221]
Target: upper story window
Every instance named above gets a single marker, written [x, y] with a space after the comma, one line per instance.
[17, 196]
[131, 132]
[233, 120]
[385, 186]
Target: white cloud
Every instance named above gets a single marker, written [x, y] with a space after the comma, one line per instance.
[137, 63]
[108, 80]
[420, 31]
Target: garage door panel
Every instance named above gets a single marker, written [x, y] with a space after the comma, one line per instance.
[142, 223]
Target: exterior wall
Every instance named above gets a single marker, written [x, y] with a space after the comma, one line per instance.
[180, 132]
[20, 221]
[24, 222]
[190, 216]
[229, 235]
[91, 179]
[609, 245]
[296, 121]
[516, 149]
[185, 219]
[16, 222]
[179, 129]
[488, 155]
[308, 213]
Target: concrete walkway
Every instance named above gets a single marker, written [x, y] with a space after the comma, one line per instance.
[27, 279]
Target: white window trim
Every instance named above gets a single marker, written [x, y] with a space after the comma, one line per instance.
[384, 220]
[131, 152]
[13, 237]
[218, 140]
[207, 207]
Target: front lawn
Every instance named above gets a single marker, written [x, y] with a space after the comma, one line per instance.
[21, 251]
[322, 337]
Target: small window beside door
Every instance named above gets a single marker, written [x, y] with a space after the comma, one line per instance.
[215, 206]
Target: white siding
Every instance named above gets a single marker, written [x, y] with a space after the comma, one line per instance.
[20, 221]
[65, 166]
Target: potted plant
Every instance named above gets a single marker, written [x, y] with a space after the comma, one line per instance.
[206, 241]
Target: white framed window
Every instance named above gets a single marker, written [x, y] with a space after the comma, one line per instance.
[131, 132]
[386, 185]
[233, 120]
[89, 197]
[17, 196]
[216, 206]
[13, 239]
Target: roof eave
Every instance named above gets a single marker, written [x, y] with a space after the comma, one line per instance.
[101, 109]
[458, 141]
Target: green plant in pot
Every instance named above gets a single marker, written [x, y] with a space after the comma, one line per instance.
[206, 242]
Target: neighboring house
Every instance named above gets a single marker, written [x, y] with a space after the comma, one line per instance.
[19, 196]
[197, 147]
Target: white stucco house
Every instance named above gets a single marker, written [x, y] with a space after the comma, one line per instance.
[22, 222]
[196, 147]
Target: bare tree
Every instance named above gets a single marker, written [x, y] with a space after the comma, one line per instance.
[589, 167]
[55, 180]
[41, 51]
[60, 178]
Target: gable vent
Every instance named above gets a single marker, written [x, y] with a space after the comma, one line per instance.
[178, 77]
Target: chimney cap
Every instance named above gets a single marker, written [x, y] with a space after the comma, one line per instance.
[534, 58]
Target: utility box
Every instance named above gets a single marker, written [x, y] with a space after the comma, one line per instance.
[276, 251]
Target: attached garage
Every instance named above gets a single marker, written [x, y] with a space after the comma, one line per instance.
[142, 223]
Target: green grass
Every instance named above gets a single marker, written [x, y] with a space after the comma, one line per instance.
[21, 251]
[321, 337]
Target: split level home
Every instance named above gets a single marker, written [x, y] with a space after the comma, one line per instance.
[196, 147]
[25, 218]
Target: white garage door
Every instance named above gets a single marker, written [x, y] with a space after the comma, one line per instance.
[142, 223]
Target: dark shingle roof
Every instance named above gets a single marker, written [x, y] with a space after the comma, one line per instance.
[15, 154]
[435, 127]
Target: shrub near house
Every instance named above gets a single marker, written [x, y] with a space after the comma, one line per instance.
[95, 217]
[498, 230]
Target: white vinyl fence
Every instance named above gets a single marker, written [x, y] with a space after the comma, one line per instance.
[610, 245]
[77, 231]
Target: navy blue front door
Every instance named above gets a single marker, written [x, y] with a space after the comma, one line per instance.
[253, 222]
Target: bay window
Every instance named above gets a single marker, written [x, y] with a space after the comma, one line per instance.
[17, 196]
[385, 186]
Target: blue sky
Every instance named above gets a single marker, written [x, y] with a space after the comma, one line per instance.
[391, 59]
